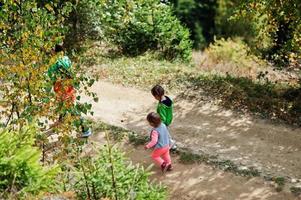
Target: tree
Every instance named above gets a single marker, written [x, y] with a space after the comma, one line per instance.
[110, 175]
[196, 14]
[21, 173]
[84, 22]
[282, 25]
[29, 31]
[138, 26]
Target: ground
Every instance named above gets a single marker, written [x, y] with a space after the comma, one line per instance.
[202, 126]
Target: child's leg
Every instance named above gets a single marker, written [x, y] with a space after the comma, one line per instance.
[156, 156]
[166, 156]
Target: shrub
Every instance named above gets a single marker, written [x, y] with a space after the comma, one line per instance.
[137, 26]
[233, 57]
[199, 17]
[21, 172]
[111, 176]
[281, 25]
[84, 22]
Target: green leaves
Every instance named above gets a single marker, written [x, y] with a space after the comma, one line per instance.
[138, 26]
[281, 25]
[21, 172]
[111, 175]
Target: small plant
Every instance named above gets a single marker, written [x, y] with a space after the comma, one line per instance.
[296, 190]
[116, 133]
[137, 140]
[111, 176]
[21, 173]
[233, 57]
[280, 181]
[190, 158]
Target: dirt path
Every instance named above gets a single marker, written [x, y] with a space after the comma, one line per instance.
[200, 181]
[206, 127]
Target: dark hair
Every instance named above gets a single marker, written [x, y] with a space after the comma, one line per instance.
[154, 118]
[58, 48]
[157, 90]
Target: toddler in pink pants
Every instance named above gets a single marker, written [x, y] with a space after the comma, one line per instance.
[160, 141]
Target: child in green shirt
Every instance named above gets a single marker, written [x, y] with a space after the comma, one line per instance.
[164, 108]
[61, 76]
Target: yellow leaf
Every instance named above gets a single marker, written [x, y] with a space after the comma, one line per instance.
[49, 7]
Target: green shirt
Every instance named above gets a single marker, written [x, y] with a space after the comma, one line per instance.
[62, 69]
[165, 112]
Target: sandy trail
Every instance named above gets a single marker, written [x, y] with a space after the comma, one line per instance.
[203, 126]
[200, 181]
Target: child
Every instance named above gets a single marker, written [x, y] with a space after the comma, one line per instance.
[164, 108]
[160, 141]
[61, 75]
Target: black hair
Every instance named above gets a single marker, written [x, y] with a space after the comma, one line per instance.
[154, 118]
[157, 90]
[58, 48]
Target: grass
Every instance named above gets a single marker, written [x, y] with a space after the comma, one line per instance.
[280, 181]
[267, 99]
[115, 132]
[278, 101]
[296, 190]
[187, 157]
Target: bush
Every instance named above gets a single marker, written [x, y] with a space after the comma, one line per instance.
[21, 172]
[199, 17]
[281, 25]
[137, 26]
[233, 57]
[111, 176]
[84, 22]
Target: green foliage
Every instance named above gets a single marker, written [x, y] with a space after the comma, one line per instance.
[280, 181]
[190, 158]
[245, 28]
[282, 25]
[198, 16]
[28, 34]
[199, 39]
[21, 172]
[111, 176]
[137, 140]
[137, 26]
[296, 190]
[116, 133]
[84, 22]
[30, 29]
[234, 57]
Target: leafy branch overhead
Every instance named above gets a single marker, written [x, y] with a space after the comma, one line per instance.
[30, 30]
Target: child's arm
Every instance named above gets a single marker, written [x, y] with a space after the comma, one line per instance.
[154, 139]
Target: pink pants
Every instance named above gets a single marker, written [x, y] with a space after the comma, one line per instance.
[161, 155]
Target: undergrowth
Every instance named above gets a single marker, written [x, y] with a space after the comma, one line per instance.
[188, 157]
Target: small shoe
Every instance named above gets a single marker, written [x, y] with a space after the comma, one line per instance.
[87, 133]
[164, 167]
[169, 168]
[173, 147]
